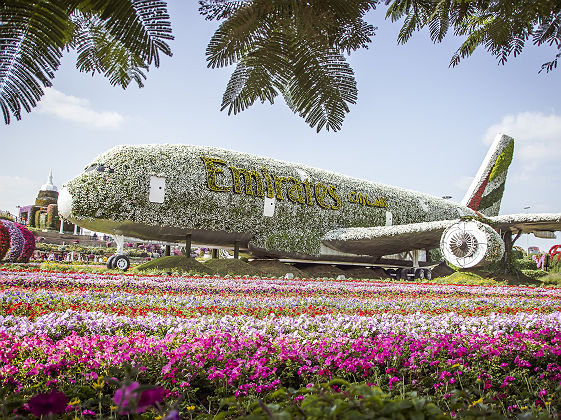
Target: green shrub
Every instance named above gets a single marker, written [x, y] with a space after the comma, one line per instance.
[552, 279]
[534, 274]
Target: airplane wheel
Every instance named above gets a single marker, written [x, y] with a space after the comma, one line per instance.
[391, 273]
[420, 273]
[401, 274]
[428, 274]
[122, 262]
[110, 262]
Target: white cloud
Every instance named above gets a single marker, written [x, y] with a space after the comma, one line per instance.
[77, 110]
[537, 136]
[464, 182]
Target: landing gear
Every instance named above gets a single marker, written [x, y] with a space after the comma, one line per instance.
[110, 262]
[119, 260]
[402, 274]
[428, 274]
[122, 262]
[420, 273]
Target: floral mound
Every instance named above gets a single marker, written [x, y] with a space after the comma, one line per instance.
[28, 244]
[16, 242]
[195, 342]
[4, 240]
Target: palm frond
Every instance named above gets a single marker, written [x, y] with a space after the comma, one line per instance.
[32, 38]
[292, 48]
[99, 52]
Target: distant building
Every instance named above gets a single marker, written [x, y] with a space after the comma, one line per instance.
[44, 213]
[534, 250]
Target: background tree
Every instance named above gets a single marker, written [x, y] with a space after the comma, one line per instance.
[120, 39]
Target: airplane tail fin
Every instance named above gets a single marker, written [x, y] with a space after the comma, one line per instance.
[486, 191]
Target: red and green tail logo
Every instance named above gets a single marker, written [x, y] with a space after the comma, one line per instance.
[486, 191]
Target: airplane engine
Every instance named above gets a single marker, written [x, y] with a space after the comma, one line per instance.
[471, 243]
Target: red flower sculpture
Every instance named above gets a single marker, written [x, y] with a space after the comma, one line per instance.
[555, 250]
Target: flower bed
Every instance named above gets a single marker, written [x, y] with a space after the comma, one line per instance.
[199, 340]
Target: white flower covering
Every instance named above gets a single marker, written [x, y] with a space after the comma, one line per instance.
[119, 199]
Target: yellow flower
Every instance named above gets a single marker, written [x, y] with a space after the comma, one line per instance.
[158, 417]
[479, 401]
[524, 408]
[75, 401]
[98, 384]
[456, 365]
[478, 380]
[191, 407]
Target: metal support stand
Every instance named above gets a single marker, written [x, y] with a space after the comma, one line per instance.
[188, 245]
[61, 230]
[167, 251]
[236, 250]
[415, 258]
[215, 253]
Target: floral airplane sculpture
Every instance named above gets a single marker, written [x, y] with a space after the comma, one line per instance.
[275, 209]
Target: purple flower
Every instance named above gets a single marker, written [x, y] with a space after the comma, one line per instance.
[173, 415]
[128, 397]
[43, 404]
[125, 396]
[150, 397]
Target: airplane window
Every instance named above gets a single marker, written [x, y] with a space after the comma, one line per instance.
[90, 168]
[101, 168]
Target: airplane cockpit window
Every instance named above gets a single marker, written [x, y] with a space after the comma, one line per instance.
[99, 167]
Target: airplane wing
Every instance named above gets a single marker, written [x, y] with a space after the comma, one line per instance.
[386, 240]
[528, 223]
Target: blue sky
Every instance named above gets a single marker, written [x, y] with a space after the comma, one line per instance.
[418, 123]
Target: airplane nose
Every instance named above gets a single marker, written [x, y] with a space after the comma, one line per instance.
[65, 203]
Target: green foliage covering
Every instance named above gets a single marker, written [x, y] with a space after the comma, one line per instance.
[233, 267]
[53, 220]
[176, 263]
[534, 274]
[552, 279]
[466, 277]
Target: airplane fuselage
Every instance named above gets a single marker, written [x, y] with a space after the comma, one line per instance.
[219, 197]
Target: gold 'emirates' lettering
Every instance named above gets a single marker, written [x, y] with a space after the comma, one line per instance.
[248, 176]
[211, 172]
[253, 183]
[363, 200]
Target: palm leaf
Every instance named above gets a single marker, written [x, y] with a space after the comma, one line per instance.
[32, 38]
[292, 48]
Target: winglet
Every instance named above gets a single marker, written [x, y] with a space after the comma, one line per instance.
[486, 191]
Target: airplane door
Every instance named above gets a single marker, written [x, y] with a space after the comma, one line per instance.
[157, 189]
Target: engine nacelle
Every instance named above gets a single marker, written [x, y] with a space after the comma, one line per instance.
[471, 243]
